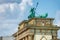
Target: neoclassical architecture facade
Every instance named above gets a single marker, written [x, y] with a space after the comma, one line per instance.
[37, 29]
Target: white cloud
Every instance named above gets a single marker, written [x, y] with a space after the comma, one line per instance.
[9, 1]
[24, 3]
[23, 7]
[8, 24]
[30, 2]
[11, 7]
[8, 27]
[57, 18]
[2, 9]
[58, 34]
[7, 10]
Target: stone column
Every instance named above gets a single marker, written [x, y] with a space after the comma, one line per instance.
[30, 37]
[54, 38]
[23, 39]
[26, 38]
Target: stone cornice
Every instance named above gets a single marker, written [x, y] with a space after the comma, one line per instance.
[20, 31]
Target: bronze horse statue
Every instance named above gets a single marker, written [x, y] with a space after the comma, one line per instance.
[32, 15]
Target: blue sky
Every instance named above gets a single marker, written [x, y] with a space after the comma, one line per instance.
[12, 12]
